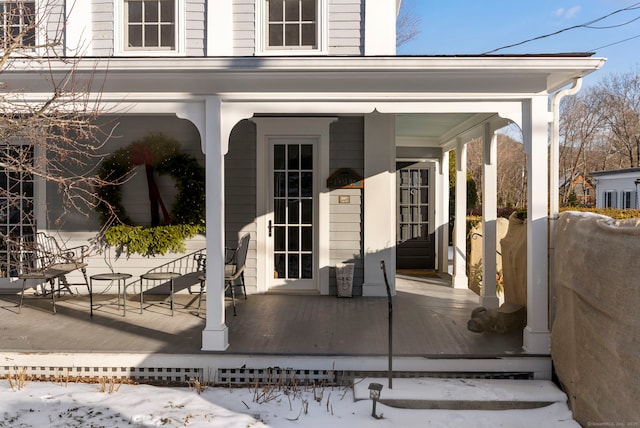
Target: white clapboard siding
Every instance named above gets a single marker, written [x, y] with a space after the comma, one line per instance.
[103, 24]
[244, 31]
[345, 227]
[195, 23]
[240, 194]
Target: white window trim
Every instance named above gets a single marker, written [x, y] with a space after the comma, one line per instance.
[291, 127]
[261, 33]
[119, 31]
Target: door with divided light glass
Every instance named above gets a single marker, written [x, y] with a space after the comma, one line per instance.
[416, 244]
[292, 228]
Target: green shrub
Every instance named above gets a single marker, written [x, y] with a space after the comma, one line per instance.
[149, 241]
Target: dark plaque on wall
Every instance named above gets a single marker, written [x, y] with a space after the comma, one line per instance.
[345, 178]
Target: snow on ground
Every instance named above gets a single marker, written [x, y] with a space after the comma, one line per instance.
[48, 404]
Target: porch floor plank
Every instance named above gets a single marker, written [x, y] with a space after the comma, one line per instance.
[429, 319]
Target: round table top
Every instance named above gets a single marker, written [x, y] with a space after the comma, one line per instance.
[112, 276]
[159, 275]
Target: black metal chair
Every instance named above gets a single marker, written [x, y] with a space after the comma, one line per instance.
[235, 270]
[41, 260]
[234, 266]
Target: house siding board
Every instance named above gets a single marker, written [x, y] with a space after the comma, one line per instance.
[240, 194]
[346, 224]
[345, 26]
[244, 34]
[55, 21]
[195, 20]
[103, 23]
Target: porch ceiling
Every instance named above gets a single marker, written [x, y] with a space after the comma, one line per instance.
[440, 129]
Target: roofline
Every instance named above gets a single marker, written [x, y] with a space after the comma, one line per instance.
[531, 62]
[614, 171]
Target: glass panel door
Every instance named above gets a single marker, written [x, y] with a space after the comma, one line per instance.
[415, 245]
[293, 209]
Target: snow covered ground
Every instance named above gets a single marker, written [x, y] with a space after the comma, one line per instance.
[48, 404]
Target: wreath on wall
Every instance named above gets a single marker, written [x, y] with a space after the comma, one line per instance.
[161, 155]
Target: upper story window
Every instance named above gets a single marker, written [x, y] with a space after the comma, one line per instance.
[291, 27]
[150, 25]
[18, 23]
[292, 24]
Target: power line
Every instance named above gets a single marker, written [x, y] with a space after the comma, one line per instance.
[585, 25]
[591, 27]
[615, 43]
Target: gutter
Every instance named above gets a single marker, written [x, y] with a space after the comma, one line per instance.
[554, 183]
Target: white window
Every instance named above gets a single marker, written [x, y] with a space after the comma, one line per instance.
[150, 24]
[18, 23]
[289, 27]
[16, 200]
[292, 24]
[609, 200]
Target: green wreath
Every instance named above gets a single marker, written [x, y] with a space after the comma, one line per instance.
[159, 154]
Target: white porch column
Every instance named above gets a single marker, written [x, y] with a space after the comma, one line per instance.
[537, 338]
[379, 202]
[460, 279]
[442, 213]
[489, 298]
[215, 336]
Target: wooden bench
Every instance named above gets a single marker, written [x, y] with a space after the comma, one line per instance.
[41, 260]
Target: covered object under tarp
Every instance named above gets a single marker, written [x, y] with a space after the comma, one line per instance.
[596, 334]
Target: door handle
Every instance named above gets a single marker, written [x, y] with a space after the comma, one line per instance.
[270, 227]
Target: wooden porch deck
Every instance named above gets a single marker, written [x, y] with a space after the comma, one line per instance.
[429, 321]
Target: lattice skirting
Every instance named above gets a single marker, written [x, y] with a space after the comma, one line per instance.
[152, 375]
[239, 370]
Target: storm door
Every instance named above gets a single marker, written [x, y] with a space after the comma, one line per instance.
[291, 230]
[415, 245]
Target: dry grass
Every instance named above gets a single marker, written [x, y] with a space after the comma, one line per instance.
[19, 378]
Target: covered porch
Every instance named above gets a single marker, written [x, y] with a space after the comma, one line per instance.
[270, 330]
[412, 109]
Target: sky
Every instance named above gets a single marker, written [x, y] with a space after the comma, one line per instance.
[477, 27]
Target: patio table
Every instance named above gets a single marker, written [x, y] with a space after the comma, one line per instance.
[158, 276]
[120, 279]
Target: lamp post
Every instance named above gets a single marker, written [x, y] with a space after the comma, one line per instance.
[374, 394]
[636, 182]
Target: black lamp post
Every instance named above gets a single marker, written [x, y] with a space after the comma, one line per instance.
[374, 394]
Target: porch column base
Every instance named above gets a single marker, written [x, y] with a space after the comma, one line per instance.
[215, 340]
[459, 281]
[536, 342]
[490, 302]
[375, 290]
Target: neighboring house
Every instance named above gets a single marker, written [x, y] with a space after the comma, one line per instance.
[617, 188]
[277, 105]
[579, 188]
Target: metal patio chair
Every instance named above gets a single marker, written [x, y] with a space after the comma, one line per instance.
[41, 260]
[234, 265]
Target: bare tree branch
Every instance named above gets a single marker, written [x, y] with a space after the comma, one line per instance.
[408, 23]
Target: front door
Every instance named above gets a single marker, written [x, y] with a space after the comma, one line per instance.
[293, 199]
[415, 244]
